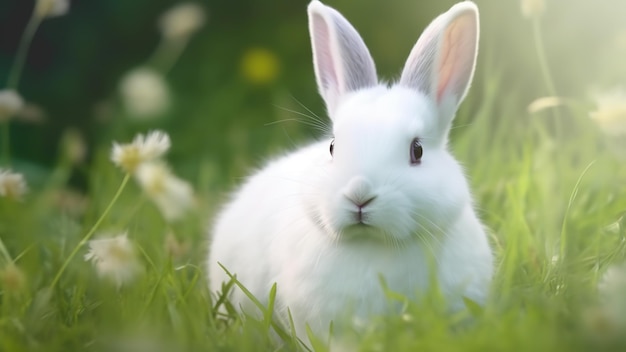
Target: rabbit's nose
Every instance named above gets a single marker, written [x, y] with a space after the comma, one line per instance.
[362, 204]
[359, 191]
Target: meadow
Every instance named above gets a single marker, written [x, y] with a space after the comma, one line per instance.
[100, 251]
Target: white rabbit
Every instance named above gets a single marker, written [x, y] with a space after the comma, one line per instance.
[382, 197]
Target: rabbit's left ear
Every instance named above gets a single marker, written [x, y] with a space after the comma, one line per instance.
[441, 64]
[342, 62]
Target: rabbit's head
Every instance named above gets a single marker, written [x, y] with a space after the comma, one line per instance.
[388, 174]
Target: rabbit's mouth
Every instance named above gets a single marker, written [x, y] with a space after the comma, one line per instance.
[362, 231]
[361, 217]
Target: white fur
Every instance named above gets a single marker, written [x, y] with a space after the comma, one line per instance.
[294, 222]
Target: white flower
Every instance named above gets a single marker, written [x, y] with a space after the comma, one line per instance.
[612, 290]
[543, 103]
[175, 248]
[12, 185]
[115, 258]
[10, 104]
[182, 20]
[74, 146]
[143, 149]
[171, 195]
[144, 93]
[533, 8]
[613, 281]
[51, 8]
[70, 202]
[610, 115]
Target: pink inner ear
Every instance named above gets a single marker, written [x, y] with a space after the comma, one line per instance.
[325, 65]
[456, 56]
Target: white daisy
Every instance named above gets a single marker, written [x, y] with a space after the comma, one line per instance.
[10, 104]
[145, 93]
[51, 8]
[182, 20]
[610, 115]
[12, 185]
[175, 248]
[612, 288]
[173, 196]
[143, 149]
[533, 8]
[115, 258]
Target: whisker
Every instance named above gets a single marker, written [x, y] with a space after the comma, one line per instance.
[317, 126]
[437, 227]
[313, 121]
[304, 106]
[427, 243]
[459, 126]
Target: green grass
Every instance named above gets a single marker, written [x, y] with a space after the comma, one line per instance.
[550, 187]
[548, 200]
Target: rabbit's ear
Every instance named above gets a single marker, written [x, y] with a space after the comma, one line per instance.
[342, 62]
[441, 64]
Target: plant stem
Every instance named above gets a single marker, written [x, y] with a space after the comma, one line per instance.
[5, 252]
[6, 144]
[22, 51]
[545, 67]
[14, 77]
[91, 232]
[572, 197]
[543, 60]
[166, 54]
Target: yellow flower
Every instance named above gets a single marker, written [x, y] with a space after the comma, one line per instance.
[115, 258]
[51, 8]
[610, 115]
[12, 185]
[173, 196]
[144, 93]
[182, 20]
[533, 8]
[259, 66]
[10, 104]
[143, 149]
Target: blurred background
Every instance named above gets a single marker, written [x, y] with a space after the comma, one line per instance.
[540, 134]
[248, 66]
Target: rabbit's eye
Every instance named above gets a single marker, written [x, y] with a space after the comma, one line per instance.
[416, 151]
[332, 147]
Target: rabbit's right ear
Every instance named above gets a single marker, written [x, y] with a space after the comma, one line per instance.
[441, 64]
[341, 60]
